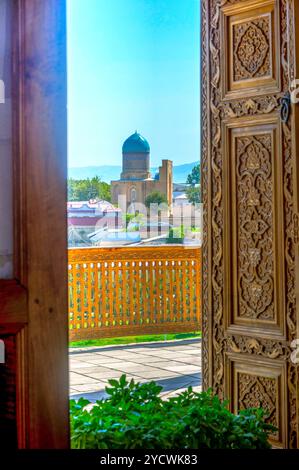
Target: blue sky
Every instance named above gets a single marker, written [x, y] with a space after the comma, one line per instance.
[133, 64]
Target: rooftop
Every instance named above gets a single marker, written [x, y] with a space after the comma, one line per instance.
[98, 206]
[136, 143]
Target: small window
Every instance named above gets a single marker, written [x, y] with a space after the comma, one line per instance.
[133, 195]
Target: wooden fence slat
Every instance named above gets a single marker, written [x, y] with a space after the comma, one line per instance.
[122, 291]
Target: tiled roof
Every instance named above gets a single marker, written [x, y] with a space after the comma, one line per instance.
[101, 206]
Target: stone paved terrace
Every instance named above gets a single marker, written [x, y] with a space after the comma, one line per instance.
[175, 365]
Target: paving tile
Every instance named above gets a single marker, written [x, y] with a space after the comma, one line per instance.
[140, 358]
[90, 395]
[140, 349]
[73, 374]
[92, 369]
[81, 357]
[197, 388]
[166, 354]
[175, 366]
[191, 357]
[184, 369]
[184, 358]
[184, 347]
[117, 353]
[79, 379]
[156, 374]
[166, 364]
[99, 361]
[128, 366]
[182, 352]
[193, 352]
[147, 368]
[102, 359]
[78, 367]
[99, 385]
[111, 374]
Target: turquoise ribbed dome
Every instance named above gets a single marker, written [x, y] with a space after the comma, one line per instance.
[136, 144]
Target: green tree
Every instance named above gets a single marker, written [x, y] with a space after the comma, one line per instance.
[193, 194]
[84, 190]
[71, 189]
[194, 176]
[128, 218]
[105, 191]
[155, 198]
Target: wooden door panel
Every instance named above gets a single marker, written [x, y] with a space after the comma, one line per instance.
[8, 388]
[249, 383]
[250, 34]
[248, 274]
[13, 404]
[13, 297]
[253, 193]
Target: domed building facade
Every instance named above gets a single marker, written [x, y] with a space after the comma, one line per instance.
[136, 181]
[136, 158]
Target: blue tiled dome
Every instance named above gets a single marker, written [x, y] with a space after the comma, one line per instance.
[136, 144]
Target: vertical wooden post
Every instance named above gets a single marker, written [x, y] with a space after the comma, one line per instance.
[41, 169]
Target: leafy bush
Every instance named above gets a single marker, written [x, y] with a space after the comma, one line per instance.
[176, 235]
[135, 417]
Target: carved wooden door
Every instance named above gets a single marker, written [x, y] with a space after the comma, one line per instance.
[249, 311]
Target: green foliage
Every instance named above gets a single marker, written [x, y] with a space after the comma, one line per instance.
[133, 339]
[193, 194]
[128, 218]
[137, 218]
[194, 176]
[176, 235]
[135, 417]
[84, 190]
[155, 197]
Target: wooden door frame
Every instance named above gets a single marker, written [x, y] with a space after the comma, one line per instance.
[206, 299]
[215, 339]
[40, 163]
[34, 305]
[294, 74]
[36, 301]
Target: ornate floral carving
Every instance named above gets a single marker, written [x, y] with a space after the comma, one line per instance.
[287, 60]
[259, 392]
[254, 256]
[254, 202]
[260, 347]
[251, 43]
[216, 220]
[206, 376]
[251, 107]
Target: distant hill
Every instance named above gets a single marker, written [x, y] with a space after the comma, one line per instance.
[180, 172]
[108, 173]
